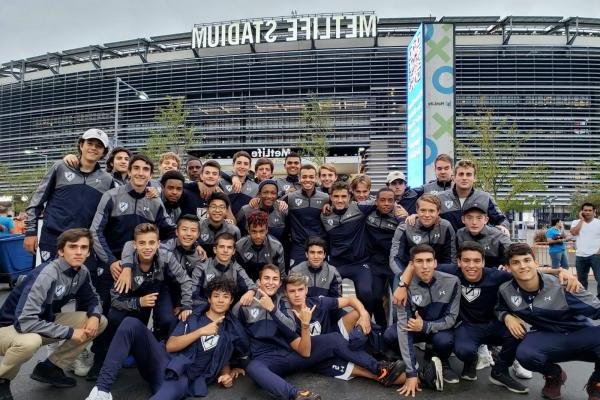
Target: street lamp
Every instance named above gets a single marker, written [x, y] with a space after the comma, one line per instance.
[30, 152]
[140, 95]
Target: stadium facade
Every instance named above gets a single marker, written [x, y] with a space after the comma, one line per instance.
[541, 74]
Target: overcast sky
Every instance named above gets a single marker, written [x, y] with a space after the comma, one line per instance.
[34, 27]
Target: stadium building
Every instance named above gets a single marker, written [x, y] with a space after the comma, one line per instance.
[246, 84]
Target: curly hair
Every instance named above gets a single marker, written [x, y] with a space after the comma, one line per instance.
[258, 218]
[221, 284]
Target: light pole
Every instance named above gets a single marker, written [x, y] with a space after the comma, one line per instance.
[141, 95]
[30, 152]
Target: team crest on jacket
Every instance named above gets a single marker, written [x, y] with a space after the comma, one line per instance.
[330, 222]
[417, 298]
[298, 201]
[248, 255]
[470, 293]
[516, 300]
[204, 237]
[286, 187]
[228, 187]
[417, 239]
[254, 312]
[448, 203]
[69, 175]
[315, 328]
[100, 271]
[209, 342]
[209, 277]
[60, 290]
[123, 206]
[139, 279]
[45, 255]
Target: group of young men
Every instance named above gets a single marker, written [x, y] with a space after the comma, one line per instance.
[242, 275]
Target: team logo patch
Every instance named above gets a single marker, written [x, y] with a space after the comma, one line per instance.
[292, 261]
[315, 328]
[209, 342]
[69, 175]
[45, 255]
[146, 208]
[470, 293]
[417, 239]
[448, 203]
[228, 187]
[417, 298]
[204, 237]
[139, 279]
[209, 277]
[330, 222]
[60, 290]
[516, 300]
[371, 219]
[75, 282]
[286, 187]
[100, 271]
[123, 206]
[248, 255]
[254, 312]
[298, 201]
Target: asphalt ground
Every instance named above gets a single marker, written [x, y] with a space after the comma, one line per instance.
[130, 386]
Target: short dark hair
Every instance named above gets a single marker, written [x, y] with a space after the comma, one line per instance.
[188, 217]
[224, 236]
[308, 166]
[171, 175]
[144, 227]
[212, 163]
[421, 248]
[221, 284]
[470, 246]
[264, 161]
[242, 153]
[218, 196]
[383, 190]
[587, 204]
[258, 218]
[444, 157]
[292, 154]
[340, 185]
[316, 241]
[110, 161]
[143, 158]
[518, 249]
[192, 158]
[554, 221]
[271, 267]
[73, 235]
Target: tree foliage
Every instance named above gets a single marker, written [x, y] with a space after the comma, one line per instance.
[496, 148]
[20, 183]
[317, 120]
[588, 192]
[172, 132]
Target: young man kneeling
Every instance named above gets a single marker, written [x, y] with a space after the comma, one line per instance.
[196, 354]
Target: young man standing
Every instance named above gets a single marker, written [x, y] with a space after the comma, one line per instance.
[259, 248]
[561, 327]
[304, 213]
[429, 315]
[241, 165]
[68, 197]
[263, 169]
[428, 229]
[405, 196]
[168, 161]
[586, 230]
[477, 230]
[323, 278]
[195, 194]
[172, 190]
[267, 195]
[556, 244]
[291, 182]
[463, 196]
[443, 175]
[193, 168]
[215, 223]
[207, 340]
[29, 317]
[327, 176]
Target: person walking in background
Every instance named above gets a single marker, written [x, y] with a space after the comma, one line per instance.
[555, 235]
[586, 230]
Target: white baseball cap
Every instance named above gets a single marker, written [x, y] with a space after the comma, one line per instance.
[96, 134]
[394, 176]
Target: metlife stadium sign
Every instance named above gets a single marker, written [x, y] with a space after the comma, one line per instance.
[430, 100]
[301, 28]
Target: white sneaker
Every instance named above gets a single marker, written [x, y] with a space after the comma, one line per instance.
[83, 363]
[96, 394]
[521, 372]
[484, 358]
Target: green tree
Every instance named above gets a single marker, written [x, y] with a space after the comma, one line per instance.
[20, 183]
[589, 190]
[172, 132]
[496, 147]
[317, 120]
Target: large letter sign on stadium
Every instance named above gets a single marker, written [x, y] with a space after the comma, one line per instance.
[430, 100]
[304, 28]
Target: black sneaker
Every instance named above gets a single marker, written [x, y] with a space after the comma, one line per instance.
[92, 375]
[430, 374]
[388, 371]
[5, 393]
[449, 375]
[469, 372]
[304, 394]
[52, 375]
[503, 378]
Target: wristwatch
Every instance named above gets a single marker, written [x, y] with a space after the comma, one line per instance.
[403, 284]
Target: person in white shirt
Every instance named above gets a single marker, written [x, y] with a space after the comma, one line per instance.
[586, 230]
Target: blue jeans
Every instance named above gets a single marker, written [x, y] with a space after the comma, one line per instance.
[583, 265]
[559, 260]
